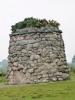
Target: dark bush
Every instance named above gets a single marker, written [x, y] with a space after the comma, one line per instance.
[2, 74]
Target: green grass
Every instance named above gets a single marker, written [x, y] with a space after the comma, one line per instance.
[64, 90]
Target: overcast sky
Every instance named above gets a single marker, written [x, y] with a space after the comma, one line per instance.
[63, 11]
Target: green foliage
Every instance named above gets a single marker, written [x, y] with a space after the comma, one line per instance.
[33, 22]
[2, 78]
[2, 74]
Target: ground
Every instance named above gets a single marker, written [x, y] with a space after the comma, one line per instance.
[43, 91]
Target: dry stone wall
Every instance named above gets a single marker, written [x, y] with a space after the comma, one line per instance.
[36, 55]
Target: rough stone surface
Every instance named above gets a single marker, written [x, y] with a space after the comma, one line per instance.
[36, 55]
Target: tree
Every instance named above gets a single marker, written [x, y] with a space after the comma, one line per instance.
[73, 59]
[3, 66]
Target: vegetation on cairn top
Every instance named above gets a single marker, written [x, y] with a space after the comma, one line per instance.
[33, 22]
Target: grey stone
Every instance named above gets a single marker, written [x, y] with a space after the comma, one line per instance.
[14, 68]
[54, 79]
[30, 70]
[35, 44]
[60, 79]
[39, 76]
[29, 46]
[18, 48]
[20, 66]
[15, 64]
[34, 57]
[65, 76]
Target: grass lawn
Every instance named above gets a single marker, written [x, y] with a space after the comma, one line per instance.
[64, 90]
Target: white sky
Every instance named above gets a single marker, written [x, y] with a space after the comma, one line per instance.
[12, 11]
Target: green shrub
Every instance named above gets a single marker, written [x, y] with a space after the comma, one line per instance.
[33, 22]
[2, 77]
[2, 74]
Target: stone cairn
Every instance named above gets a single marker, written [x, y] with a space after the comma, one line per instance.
[36, 55]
